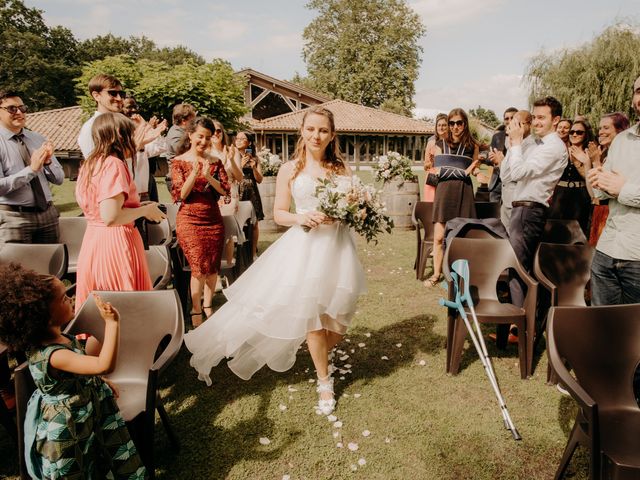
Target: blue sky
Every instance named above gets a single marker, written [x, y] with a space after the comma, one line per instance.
[475, 51]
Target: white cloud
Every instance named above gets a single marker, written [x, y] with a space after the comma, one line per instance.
[440, 13]
[496, 92]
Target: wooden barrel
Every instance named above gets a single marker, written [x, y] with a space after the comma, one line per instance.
[267, 189]
[400, 198]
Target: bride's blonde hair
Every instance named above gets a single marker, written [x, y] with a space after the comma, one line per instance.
[332, 159]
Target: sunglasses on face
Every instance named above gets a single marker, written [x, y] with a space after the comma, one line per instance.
[576, 132]
[13, 109]
[117, 93]
[454, 123]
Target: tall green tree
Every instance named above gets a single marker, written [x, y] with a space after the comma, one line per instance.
[364, 51]
[212, 88]
[592, 79]
[485, 115]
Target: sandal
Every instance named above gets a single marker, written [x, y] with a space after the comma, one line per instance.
[432, 281]
[210, 308]
[326, 406]
[198, 315]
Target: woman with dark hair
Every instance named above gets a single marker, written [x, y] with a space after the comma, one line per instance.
[611, 124]
[246, 157]
[442, 128]
[112, 253]
[455, 157]
[563, 128]
[305, 286]
[571, 199]
[199, 180]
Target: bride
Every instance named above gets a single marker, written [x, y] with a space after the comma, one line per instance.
[305, 286]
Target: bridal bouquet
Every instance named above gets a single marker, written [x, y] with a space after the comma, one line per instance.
[348, 200]
[391, 166]
[270, 162]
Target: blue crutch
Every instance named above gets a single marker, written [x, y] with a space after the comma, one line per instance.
[460, 271]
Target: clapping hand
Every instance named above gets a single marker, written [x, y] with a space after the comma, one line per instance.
[496, 156]
[610, 182]
[107, 311]
[595, 153]
[41, 156]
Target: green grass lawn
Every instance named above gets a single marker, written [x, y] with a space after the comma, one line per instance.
[422, 423]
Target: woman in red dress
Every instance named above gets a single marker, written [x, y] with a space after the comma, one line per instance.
[198, 182]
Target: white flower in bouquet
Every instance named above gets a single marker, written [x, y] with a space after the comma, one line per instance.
[348, 200]
[392, 166]
[269, 162]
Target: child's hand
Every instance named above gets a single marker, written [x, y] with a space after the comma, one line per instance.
[107, 311]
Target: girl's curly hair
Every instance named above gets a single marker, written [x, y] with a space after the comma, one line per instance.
[25, 303]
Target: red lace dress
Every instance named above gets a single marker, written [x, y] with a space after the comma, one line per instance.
[199, 225]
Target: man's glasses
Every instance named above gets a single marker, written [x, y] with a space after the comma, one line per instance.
[453, 123]
[576, 132]
[13, 109]
[117, 93]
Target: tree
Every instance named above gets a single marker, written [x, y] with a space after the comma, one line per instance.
[212, 88]
[592, 79]
[364, 51]
[486, 116]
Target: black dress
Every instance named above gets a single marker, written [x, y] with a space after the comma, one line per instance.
[248, 190]
[454, 193]
[571, 199]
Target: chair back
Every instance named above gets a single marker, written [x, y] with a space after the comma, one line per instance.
[602, 347]
[71, 234]
[24, 388]
[159, 263]
[47, 259]
[564, 270]
[172, 214]
[159, 233]
[423, 214]
[146, 319]
[487, 257]
[487, 209]
[563, 231]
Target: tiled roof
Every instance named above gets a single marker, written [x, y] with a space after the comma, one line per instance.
[60, 126]
[350, 118]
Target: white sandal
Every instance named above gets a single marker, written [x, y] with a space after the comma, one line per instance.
[325, 385]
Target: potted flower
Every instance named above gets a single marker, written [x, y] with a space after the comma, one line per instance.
[400, 187]
[270, 164]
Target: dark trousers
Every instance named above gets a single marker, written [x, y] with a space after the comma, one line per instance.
[614, 281]
[525, 231]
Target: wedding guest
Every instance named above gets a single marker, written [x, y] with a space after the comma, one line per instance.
[198, 181]
[499, 144]
[454, 193]
[571, 199]
[563, 129]
[616, 264]
[246, 156]
[112, 253]
[27, 165]
[432, 174]
[305, 285]
[182, 115]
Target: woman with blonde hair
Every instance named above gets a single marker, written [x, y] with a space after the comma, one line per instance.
[112, 253]
[442, 128]
[305, 286]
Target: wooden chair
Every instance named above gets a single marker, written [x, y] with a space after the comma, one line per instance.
[71, 234]
[488, 258]
[48, 259]
[423, 220]
[563, 231]
[602, 347]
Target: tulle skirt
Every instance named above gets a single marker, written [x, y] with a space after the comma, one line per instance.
[305, 281]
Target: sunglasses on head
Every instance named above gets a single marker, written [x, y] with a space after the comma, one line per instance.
[13, 109]
[458, 123]
[117, 93]
[576, 132]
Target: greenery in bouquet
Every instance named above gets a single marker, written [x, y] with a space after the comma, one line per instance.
[359, 206]
[393, 166]
[270, 162]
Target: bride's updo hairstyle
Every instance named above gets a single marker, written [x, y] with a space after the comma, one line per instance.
[332, 159]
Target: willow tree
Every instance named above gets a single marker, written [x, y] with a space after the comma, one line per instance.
[592, 79]
[364, 51]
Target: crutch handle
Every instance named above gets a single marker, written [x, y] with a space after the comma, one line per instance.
[449, 303]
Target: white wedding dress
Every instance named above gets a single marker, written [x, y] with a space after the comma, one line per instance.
[270, 308]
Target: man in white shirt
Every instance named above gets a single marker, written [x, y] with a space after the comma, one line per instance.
[615, 271]
[109, 95]
[536, 177]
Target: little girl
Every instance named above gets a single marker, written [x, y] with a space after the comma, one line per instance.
[72, 427]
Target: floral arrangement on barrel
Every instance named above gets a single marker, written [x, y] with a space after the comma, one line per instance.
[348, 200]
[270, 162]
[393, 166]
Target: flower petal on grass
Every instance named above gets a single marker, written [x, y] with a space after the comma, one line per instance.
[353, 446]
[384, 357]
[398, 345]
[368, 335]
[332, 418]
[362, 462]
[339, 445]
[422, 363]
[344, 357]
[387, 440]
[337, 424]
[282, 407]
[347, 365]
[366, 433]
[311, 380]
[354, 467]
[357, 395]
[264, 441]
[291, 389]
[361, 344]
[286, 477]
[336, 434]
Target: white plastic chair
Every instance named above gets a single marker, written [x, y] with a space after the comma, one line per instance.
[48, 259]
[71, 234]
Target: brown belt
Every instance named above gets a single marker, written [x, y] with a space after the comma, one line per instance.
[572, 184]
[526, 203]
[22, 208]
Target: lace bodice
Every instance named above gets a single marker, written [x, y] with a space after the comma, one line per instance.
[303, 191]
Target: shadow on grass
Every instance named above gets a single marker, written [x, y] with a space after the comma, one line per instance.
[196, 410]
